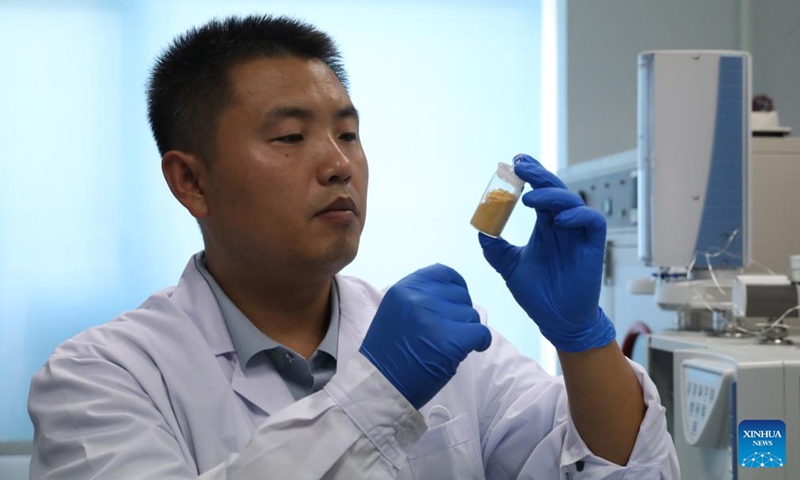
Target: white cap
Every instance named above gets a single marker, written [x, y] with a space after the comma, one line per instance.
[506, 172]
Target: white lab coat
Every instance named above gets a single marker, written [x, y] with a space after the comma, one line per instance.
[158, 393]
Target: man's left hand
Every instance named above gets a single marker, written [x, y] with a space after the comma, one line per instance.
[556, 277]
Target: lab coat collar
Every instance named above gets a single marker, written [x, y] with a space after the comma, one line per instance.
[262, 385]
[357, 306]
[194, 297]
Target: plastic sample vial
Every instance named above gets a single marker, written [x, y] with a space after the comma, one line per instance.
[498, 201]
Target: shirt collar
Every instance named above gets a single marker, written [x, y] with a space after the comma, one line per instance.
[248, 340]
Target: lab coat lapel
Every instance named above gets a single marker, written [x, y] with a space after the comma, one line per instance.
[194, 297]
[358, 303]
[263, 386]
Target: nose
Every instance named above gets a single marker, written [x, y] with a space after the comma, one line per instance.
[335, 166]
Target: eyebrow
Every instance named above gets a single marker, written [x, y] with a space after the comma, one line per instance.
[285, 111]
[348, 111]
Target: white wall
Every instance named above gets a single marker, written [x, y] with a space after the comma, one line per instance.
[603, 39]
[775, 45]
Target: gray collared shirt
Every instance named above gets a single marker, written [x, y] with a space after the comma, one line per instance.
[253, 346]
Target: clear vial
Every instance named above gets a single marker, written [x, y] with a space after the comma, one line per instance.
[498, 201]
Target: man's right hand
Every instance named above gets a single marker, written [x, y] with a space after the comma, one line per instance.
[424, 327]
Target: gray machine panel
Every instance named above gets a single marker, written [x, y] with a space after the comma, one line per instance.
[613, 194]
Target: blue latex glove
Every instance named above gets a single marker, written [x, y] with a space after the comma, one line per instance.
[424, 327]
[556, 277]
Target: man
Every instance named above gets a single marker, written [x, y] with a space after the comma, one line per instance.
[264, 362]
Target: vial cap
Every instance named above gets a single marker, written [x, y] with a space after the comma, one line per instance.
[506, 172]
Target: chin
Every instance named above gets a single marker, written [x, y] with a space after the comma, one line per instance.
[346, 258]
[339, 256]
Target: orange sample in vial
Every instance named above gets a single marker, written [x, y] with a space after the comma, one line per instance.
[498, 201]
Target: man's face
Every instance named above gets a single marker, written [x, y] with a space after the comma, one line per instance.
[287, 187]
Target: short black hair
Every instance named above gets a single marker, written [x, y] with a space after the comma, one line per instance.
[189, 85]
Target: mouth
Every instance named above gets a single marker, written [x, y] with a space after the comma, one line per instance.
[341, 205]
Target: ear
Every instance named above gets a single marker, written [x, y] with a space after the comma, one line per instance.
[186, 176]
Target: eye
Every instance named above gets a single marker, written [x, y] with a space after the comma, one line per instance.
[293, 138]
[349, 137]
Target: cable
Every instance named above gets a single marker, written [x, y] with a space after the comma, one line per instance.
[714, 252]
[779, 320]
[708, 255]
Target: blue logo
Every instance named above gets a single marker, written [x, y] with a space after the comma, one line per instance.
[762, 444]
